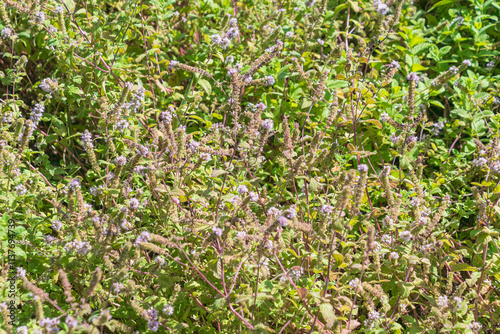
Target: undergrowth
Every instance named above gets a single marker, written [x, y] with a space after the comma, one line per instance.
[250, 167]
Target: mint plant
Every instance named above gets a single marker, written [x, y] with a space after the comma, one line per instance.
[249, 167]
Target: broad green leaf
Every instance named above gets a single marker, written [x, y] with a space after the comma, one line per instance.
[416, 67]
[334, 84]
[328, 314]
[416, 40]
[374, 122]
[306, 103]
[443, 3]
[177, 192]
[218, 172]
[462, 267]
[462, 113]
[205, 85]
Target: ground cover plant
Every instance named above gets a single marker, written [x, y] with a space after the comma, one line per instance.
[249, 166]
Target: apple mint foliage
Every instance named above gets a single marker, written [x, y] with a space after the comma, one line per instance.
[250, 166]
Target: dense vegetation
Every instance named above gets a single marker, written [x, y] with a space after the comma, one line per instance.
[250, 166]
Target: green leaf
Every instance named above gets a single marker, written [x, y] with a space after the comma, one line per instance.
[339, 8]
[416, 330]
[374, 122]
[218, 172]
[405, 162]
[197, 118]
[219, 303]
[140, 57]
[261, 328]
[333, 84]
[339, 258]
[417, 67]
[407, 288]
[328, 314]
[354, 5]
[51, 138]
[396, 328]
[74, 90]
[437, 103]
[283, 73]
[419, 47]
[307, 102]
[177, 192]
[442, 3]
[314, 186]
[218, 271]
[70, 4]
[416, 40]
[111, 325]
[460, 112]
[161, 189]
[444, 50]
[462, 267]
[205, 85]
[287, 237]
